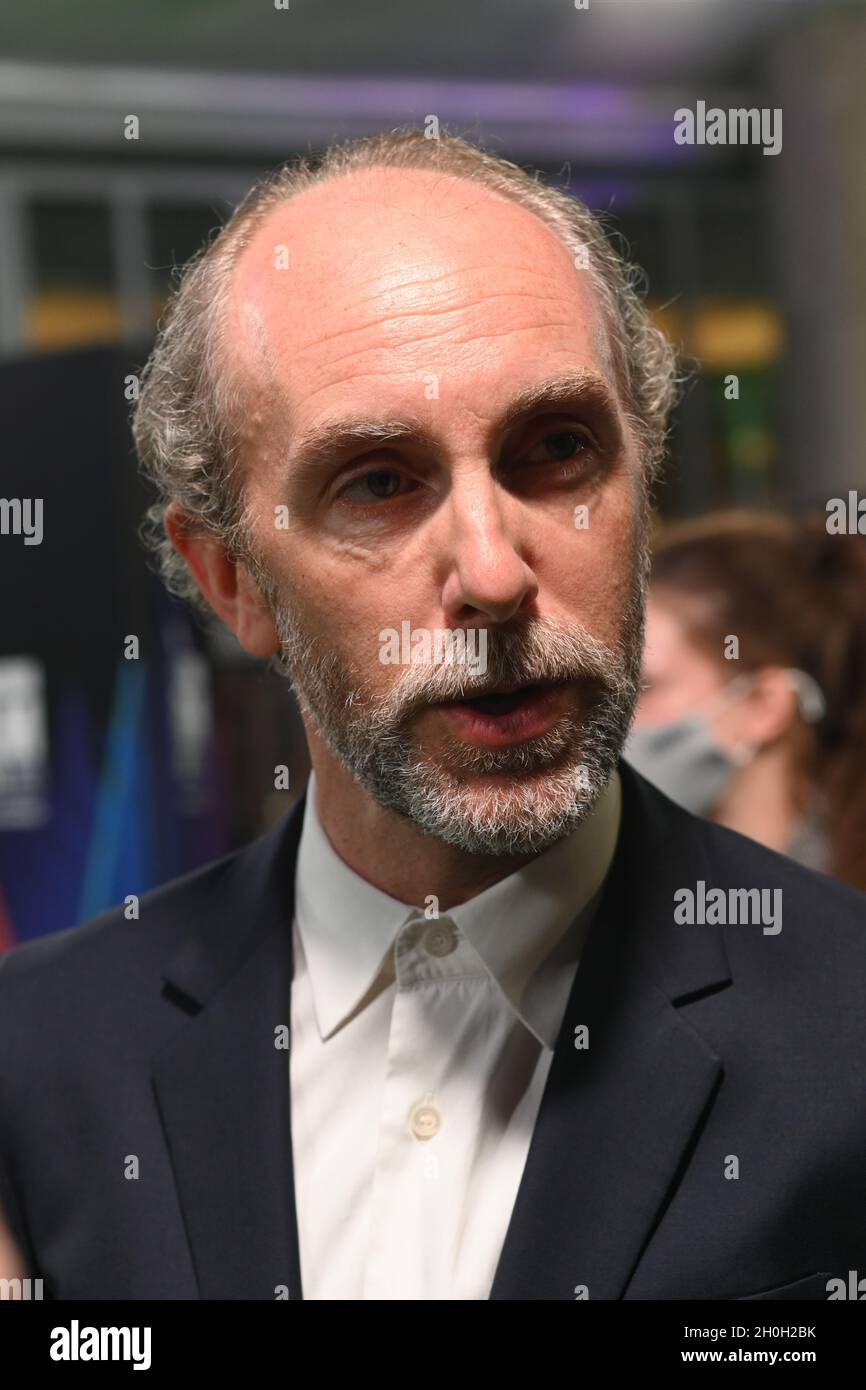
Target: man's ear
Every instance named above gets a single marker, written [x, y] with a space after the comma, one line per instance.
[225, 583]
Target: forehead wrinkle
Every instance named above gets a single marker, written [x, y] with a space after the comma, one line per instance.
[325, 227]
[396, 330]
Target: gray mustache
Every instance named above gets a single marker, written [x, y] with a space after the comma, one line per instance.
[510, 663]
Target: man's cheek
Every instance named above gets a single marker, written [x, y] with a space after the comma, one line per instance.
[596, 594]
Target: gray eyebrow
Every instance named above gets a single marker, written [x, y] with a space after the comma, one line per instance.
[316, 446]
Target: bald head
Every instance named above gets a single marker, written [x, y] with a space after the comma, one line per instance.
[387, 277]
[395, 261]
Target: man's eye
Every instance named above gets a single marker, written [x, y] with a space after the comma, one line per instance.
[376, 486]
[560, 446]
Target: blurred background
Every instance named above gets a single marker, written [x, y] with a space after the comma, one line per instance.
[116, 775]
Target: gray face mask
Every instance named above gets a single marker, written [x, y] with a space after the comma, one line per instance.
[683, 758]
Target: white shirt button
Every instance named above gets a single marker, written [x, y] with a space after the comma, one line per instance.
[424, 1121]
[440, 939]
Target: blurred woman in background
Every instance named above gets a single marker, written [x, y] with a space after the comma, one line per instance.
[754, 706]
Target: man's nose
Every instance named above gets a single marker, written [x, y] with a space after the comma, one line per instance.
[487, 574]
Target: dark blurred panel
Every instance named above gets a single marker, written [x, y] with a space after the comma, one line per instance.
[66, 441]
[175, 231]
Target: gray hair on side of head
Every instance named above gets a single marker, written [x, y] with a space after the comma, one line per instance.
[183, 421]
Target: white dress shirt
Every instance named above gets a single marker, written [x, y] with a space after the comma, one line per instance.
[419, 1052]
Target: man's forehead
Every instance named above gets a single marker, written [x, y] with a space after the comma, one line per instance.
[388, 203]
[375, 239]
[346, 228]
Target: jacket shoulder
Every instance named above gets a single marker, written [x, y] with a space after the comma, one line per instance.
[163, 915]
[681, 858]
[745, 863]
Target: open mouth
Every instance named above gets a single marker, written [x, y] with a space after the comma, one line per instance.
[507, 699]
[504, 701]
[507, 714]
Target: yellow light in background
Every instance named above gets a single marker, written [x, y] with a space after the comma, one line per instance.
[669, 319]
[72, 318]
[725, 337]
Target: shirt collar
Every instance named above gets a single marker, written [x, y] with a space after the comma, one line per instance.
[523, 928]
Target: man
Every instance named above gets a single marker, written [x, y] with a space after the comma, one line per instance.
[485, 1016]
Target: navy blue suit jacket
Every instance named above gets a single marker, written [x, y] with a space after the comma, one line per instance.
[707, 1044]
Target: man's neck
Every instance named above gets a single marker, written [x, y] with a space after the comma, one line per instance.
[393, 854]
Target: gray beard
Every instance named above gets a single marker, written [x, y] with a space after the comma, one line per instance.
[555, 780]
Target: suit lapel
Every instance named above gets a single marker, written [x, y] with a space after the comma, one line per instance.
[222, 1086]
[617, 1120]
